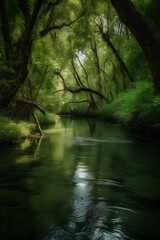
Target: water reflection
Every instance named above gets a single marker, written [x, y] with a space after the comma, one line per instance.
[92, 217]
[81, 194]
[84, 180]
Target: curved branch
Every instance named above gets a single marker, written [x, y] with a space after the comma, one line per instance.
[33, 104]
[81, 89]
[61, 90]
[48, 29]
[84, 70]
[76, 75]
[136, 23]
[89, 90]
[83, 101]
[117, 55]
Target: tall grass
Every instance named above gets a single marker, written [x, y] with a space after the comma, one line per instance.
[13, 131]
[136, 105]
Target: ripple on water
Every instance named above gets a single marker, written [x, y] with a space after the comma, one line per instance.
[108, 182]
[117, 208]
[91, 141]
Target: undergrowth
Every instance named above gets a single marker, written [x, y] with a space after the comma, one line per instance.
[13, 131]
[136, 106]
[48, 119]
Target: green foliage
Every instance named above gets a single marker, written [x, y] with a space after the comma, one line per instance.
[13, 131]
[75, 108]
[135, 104]
[97, 67]
[151, 112]
[48, 119]
[150, 9]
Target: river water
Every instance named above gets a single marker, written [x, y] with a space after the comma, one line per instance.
[85, 180]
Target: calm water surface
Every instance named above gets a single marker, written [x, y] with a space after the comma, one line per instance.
[86, 180]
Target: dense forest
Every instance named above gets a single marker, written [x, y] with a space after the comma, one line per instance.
[92, 58]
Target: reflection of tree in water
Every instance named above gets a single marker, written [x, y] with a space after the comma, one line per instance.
[15, 208]
[91, 217]
[33, 191]
[76, 190]
[28, 183]
[92, 126]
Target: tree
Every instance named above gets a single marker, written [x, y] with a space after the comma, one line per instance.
[37, 18]
[17, 52]
[49, 32]
[136, 23]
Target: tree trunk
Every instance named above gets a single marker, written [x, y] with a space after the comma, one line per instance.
[92, 105]
[22, 53]
[97, 63]
[141, 31]
[5, 31]
[37, 124]
[117, 55]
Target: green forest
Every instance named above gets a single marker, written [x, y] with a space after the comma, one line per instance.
[76, 57]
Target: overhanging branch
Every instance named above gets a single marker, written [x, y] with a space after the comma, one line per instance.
[54, 27]
[81, 89]
[33, 104]
[82, 101]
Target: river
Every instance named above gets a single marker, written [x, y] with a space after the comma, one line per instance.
[85, 180]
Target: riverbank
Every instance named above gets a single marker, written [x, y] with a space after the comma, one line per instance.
[13, 131]
[85, 166]
[137, 109]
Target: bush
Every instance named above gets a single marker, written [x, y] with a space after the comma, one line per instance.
[79, 108]
[13, 131]
[138, 104]
[48, 119]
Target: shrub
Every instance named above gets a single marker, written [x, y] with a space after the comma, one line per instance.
[137, 103]
[48, 119]
[10, 130]
[79, 108]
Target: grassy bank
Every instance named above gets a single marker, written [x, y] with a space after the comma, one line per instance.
[15, 131]
[137, 108]
[12, 131]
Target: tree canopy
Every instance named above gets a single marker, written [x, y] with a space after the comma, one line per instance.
[62, 52]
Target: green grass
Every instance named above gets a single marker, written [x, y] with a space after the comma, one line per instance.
[13, 131]
[137, 105]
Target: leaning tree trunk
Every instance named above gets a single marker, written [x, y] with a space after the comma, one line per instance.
[117, 55]
[22, 52]
[141, 31]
